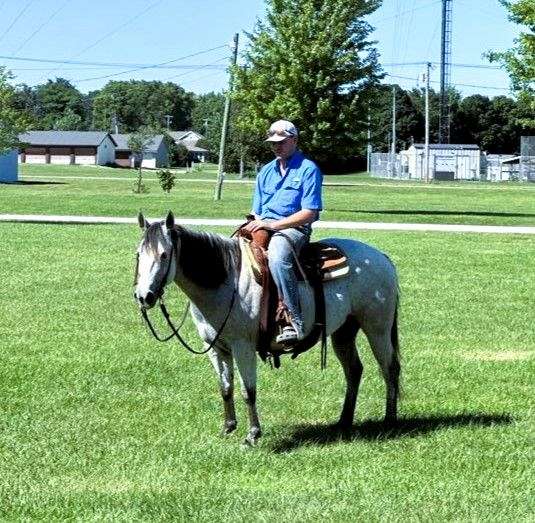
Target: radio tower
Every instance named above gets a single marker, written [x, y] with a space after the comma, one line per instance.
[445, 73]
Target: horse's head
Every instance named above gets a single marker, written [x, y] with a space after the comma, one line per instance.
[156, 259]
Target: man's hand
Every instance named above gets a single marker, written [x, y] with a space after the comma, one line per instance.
[256, 225]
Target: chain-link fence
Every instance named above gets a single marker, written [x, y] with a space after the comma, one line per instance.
[527, 158]
[388, 165]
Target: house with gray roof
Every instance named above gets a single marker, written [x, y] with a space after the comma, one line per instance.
[157, 154]
[67, 147]
[190, 139]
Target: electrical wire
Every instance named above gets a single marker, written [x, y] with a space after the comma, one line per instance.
[41, 27]
[198, 69]
[99, 64]
[148, 66]
[403, 13]
[21, 12]
[107, 35]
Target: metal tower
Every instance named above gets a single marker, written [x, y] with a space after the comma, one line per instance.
[445, 72]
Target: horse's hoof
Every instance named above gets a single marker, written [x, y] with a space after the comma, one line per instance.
[251, 439]
[228, 428]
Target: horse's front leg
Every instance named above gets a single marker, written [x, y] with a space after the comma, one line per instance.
[245, 356]
[223, 364]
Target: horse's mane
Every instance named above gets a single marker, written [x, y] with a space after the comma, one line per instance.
[204, 258]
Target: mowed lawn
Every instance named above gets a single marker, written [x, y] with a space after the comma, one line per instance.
[77, 190]
[100, 422]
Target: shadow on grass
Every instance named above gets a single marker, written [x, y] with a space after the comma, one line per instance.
[323, 434]
[439, 213]
[35, 182]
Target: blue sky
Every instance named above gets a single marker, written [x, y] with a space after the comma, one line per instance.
[156, 31]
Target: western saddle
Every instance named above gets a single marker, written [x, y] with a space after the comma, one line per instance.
[318, 262]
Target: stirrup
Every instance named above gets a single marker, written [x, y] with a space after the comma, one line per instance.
[288, 336]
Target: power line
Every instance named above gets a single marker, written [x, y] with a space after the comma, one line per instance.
[116, 30]
[21, 12]
[41, 26]
[149, 66]
[403, 13]
[492, 87]
[99, 64]
[198, 68]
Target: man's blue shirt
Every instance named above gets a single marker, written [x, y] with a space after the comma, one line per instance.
[279, 196]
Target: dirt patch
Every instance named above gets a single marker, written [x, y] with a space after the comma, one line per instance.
[504, 355]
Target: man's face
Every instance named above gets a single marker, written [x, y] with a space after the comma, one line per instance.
[283, 150]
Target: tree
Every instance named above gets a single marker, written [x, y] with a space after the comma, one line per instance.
[70, 121]
[141, 103]
[12, 121]
[57, 99]
[138, 143]
[207, 119]
[519, 61]
[311, 62]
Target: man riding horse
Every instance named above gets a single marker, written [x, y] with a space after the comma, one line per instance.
[287, 198]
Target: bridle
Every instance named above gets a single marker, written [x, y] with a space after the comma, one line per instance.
[159, 297]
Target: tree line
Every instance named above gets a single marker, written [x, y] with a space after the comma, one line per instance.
[312, 62]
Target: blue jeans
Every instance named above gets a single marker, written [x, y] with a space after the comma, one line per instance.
[282, 266]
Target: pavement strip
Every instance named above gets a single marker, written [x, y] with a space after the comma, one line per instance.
[213, 222]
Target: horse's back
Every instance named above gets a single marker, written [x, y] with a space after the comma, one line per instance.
[370, 290]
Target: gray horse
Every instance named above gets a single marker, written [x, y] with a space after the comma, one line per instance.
[206, 267]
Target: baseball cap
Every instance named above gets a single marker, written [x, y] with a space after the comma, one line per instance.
[280, 130]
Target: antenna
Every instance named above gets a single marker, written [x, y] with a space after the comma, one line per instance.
[445, 73]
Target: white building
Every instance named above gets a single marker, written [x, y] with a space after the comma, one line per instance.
[190, 139]
[8, 167]
[155, 156]
[446, 162]
[67, 147]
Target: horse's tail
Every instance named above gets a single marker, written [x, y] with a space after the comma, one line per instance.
[394, 370]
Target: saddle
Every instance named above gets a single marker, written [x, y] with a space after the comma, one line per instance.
[318, 262]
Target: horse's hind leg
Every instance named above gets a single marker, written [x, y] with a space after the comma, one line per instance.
[345, 348]
[224, 367]
[386, 351]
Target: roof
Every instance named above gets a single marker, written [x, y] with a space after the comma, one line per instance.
[65, 138]
[195, 149]
[122, 142]
[185, 136]
[449, 146]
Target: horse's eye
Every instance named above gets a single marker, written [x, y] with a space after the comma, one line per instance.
[163, 256]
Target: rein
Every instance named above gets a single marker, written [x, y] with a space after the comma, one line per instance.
[175, 330]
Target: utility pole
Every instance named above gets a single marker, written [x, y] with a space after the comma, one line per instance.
[427, 74]
[445, 73]
[219, 183]
[393, 151]
[369, 147]
[168, 118]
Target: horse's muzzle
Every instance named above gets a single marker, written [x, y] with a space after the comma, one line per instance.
[148, 301]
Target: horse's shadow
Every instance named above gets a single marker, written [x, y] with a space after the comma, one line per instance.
[371, 430]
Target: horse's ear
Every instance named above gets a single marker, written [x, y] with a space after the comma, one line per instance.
[170, 221]
[143, 223]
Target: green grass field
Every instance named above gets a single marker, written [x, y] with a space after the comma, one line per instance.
[100, 422]
[73, 190]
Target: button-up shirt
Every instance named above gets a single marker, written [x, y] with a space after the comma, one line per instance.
[278, 196]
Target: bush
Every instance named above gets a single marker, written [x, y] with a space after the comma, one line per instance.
[166, 179]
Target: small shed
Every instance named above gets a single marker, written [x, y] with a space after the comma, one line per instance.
[446, 161]
[8, 167]
[67, 147]
[157, 154]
